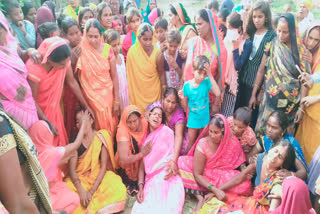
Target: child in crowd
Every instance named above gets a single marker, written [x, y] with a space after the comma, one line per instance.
[239, 124]
[173, 62]
[29, 12]
[112, 37]
[161, 30]
[118, 26]
[24, 29]
[48, 29]
[196, 96]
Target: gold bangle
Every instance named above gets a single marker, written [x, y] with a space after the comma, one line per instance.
[29, 50]
[164, 86]
[301, 109]
[116, 102]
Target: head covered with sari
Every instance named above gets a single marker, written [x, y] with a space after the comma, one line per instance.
[49, 45]
[182, 13]
[307, 3]
[11, 42]
[145, 13]
[229, 155]
[316, 49]
[295, 197]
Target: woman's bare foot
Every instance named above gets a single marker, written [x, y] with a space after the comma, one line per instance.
[200, 203]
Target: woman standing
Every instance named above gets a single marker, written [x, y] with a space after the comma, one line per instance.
[98, 77]
[142, 70]
[282, 90]
[308, 132]
[209, 43]
[104, 16]
[46, 81]
[158, 194]
[150, 6]
[179, 18]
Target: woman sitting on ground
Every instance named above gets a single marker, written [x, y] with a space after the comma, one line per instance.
[92, 173]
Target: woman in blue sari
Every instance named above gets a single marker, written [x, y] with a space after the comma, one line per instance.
[276, 131]
[150, 6]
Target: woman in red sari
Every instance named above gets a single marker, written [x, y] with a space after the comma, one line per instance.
[46, 81]
[209, 43]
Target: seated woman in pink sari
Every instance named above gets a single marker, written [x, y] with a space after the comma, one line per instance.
[212, 161]
[210, 44]
[15, 91]
[158, 193]
[51, 157]
[46, 81]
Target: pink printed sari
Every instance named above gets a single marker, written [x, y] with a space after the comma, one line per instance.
[219, 168]
[50, 87]
[13, 82]
[160, 195]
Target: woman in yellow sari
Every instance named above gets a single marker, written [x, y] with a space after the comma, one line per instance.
[92, 173]
[308, 133]
[142, 71]
[98, 77]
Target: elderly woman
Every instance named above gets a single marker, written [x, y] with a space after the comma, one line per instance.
[276, 130]
[282, 90]
[158, 194]
[131, 130]
[210, 164]
[92, 174]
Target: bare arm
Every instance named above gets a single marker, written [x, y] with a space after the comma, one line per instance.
[72, 171]
[178, 140]
[161, 72]
[34, 88]
[12, 190]
[125, 158]
[115, 79]
[301, 170]
[259, 77]
[103, 169]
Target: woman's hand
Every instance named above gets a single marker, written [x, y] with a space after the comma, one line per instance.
[221, 195]
[183, 53]
[307, 56]
[146, 149]
[85, 197]
[163, 46]
[208, 197]
[140, 195]
[306, 80]
[55, 130]
[282, 174]
[116, 108]
[85, 117]
[172, 169]
[252, 102]
[214, 109]
[21, 26]
[299, 115]
[310, 100]
[34, 55]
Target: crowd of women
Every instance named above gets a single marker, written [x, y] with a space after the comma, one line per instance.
[104, 102]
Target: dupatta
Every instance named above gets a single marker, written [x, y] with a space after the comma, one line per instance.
[50, 86]
[96, 83]
[142, 73]
[198, 46]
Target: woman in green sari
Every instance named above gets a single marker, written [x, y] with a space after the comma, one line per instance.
[282, 90]
[179, 18]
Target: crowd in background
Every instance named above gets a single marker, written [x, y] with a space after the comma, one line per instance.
[103, 102]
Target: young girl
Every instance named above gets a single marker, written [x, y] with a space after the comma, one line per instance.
[196, 95]
[134, 20]
[112, 37]
[239, 50]
[259, 29]
[160, 31]
[173, 63]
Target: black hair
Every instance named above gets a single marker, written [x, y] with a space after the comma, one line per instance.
[289, 161]
[163, 114]
[223, 29]
[235, 21]
[174, 36]
[131, 13]
[173, 10]
[265, 9]
[26, 7]
[100, 9]
[169, 91]
[111, 35]
[60, 19]
[46, 29]
[60, 53]
[200, 62]
[93, 23]
[218, 122]
[203, 14]
[143, 28]
[162, 23]
[52, 7]
[213, 4]
[282, 119]
[243, 114]
[224, 13]
[9, 5]
[135, 113]
[67, 23]
[82, 12]
[289, 18]
[81, 109]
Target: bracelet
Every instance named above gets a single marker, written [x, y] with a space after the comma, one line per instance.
[301, 109]
[29, 50]
[142, 183]
[116, 102]
[164, 86]
[210, 186]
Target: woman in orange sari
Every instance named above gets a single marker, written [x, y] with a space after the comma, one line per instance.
[98, 77]
[46, 81]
